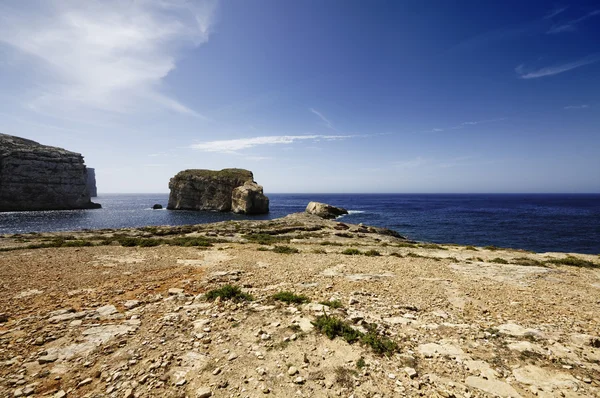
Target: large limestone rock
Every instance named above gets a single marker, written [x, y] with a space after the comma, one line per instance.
[91, 182]
[249, 199]
[214, 190]
[324, 210]
[40, 177]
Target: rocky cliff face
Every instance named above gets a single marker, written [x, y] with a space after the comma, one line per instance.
[91, 182]
[249, 199]
[214, 190]
[39, 177]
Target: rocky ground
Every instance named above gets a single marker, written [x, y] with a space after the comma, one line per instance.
[129, 315]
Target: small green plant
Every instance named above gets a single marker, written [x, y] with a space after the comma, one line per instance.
[361, 363]
[290, 298]
[229, 292]
[372, 253]
[380, 344]
[498, 260]
[432, 246]
[285, 250]
[264, 239]
[573, 261]
[262, 249]
[319, 251]
[351, 252]
[332, 303]
[406, 244]
[333, 327]
[526, 261]
[471, 248]
[491, 248]
[344, 377]
[396, 255]
[328, 243]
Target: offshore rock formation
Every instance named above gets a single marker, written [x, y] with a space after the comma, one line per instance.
[249, 199]
[324, 210]
[40, 177]
[91, 182]
[214, 190]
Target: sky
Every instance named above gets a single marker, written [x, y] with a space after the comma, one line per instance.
[312, 96]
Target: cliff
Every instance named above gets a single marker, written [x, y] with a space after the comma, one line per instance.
[91, 182]
[214, 190]
[40, 177]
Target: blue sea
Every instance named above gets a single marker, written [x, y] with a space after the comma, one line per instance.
[568, 223]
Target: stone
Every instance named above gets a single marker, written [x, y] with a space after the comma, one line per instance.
[131, 304]
[543, 378]
[60, 394]
[197, 189]
[3, 318]
[47, 359]
[85, 382]
[324, 210]
[411, 372]
[106, 310]
[157, 206]
[514, 330]
[495, 388]
[175, 291]
[203, 392]
[292, 371]
[91, 182]
[249, 199]
[40, 177]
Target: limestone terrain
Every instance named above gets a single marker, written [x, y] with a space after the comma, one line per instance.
[224, 190]
[40, 177]
[132, 313]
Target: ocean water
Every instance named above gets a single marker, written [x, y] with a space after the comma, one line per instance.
[569, 223]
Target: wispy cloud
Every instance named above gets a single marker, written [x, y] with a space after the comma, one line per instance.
[571, 25]
[107, 55]
[554, 70]
[577, 106]
[232, 146]
[555, 12]
[323, 118]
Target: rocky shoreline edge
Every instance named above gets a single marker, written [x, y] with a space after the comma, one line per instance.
[298, 306]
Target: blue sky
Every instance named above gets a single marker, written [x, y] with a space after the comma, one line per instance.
[312, 96]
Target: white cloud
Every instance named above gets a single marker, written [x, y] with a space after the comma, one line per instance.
[323, 118]
[554, 70]
[555, 12]
[107, 55]
[577, 106]
[571, 25]
[231, 146]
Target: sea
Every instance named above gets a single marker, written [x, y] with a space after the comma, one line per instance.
[536, 222]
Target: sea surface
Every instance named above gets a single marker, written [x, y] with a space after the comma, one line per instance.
[541, 223]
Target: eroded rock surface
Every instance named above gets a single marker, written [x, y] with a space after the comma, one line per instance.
[324, 210]
[216, 190]
[40, 177]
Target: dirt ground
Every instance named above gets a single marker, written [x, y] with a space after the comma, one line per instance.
[113, 321]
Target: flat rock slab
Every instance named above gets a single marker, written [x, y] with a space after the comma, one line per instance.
[514, 330]
[544, 379]
[431, 350]
[495, 388]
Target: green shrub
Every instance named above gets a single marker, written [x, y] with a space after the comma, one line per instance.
[328, 243]
[319, 251]
[189, 242]
[361, 363]
[471, 248]
[333, 327]
[372, 253]
[432, 246]
[573, 261]
[492, 248]
[351, 252]
[229, 292]
[285, 250]
[265, 239]
[332, 303]
[262, 249]
[289, 297]
[396, 255]
[499, 260]
[528, 262]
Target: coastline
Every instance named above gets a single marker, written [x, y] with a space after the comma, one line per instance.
[86, 309]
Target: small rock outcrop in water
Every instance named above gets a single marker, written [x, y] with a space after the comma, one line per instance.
[40, 177]
[214, 190]
[157, 207]
[91, 182]
[249, 199]
[324, 210]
